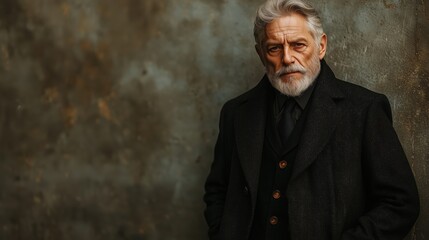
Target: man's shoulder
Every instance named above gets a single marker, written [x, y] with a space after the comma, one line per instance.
[357, 93]
[357, 99]
[351, 91]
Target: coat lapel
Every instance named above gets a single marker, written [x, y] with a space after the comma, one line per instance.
[321, 121]
[249, 127]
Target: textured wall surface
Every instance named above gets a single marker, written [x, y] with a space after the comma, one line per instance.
[109, 109]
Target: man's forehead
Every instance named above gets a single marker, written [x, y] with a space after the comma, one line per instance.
[282, 30]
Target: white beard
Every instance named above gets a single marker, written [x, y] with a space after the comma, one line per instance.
[294, 87]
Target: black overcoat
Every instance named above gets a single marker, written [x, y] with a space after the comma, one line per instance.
[351, 178]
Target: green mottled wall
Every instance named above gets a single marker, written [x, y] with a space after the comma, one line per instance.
[109, 109]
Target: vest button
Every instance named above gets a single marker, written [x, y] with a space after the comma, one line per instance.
[274, 220]
[276, 194]
[283, 164]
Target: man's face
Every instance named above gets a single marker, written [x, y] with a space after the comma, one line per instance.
[290, 54]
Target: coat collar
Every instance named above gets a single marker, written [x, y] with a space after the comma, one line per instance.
[322, 119]
[249, 125]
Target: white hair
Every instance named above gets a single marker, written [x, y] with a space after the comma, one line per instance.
[273, 9]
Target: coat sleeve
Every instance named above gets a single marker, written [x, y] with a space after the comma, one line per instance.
[217, 181]
[393, 202]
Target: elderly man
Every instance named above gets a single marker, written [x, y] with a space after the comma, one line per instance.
[303, 155]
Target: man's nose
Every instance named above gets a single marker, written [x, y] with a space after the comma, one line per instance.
[287, 56]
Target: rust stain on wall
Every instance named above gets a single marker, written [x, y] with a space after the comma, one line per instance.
[65, 7]
[104, 109]
[389, 5]
[70, 115]
[51, 94]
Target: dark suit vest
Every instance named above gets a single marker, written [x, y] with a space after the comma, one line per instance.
[271, 211]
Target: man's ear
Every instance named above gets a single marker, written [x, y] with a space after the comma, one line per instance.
[258, 49]
[323, 45]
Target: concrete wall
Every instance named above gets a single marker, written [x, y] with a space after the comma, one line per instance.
[109, 109]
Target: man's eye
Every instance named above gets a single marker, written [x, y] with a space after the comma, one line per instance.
[299, 46]
[274, 49]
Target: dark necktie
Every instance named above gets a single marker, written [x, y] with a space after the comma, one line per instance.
[286, 122]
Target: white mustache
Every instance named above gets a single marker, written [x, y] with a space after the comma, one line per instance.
[290, 69]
